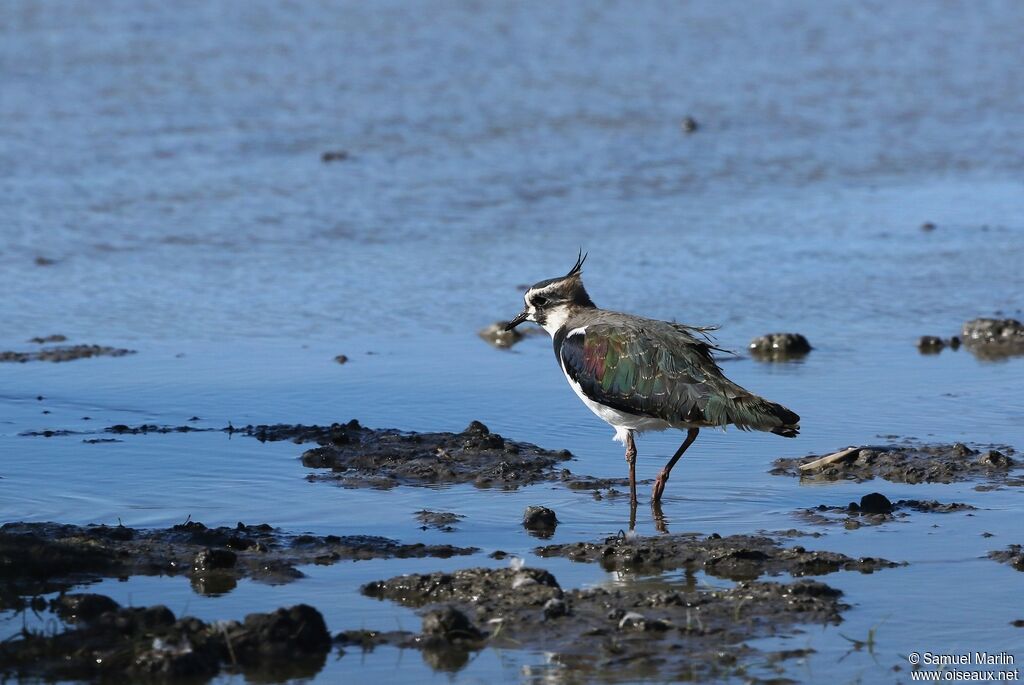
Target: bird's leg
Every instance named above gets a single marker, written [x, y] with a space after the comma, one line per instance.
[631, 460]
[659, 483]
[660, 524]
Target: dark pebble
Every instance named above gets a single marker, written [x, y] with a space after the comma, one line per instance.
[875, 503]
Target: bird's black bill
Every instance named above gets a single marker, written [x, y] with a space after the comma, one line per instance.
[516, 321]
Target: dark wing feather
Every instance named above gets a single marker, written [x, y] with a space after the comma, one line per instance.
[661, 370]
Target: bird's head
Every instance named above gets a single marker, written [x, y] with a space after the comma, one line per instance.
[550, 302]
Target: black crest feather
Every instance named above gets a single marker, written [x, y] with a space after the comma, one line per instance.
[575, 270]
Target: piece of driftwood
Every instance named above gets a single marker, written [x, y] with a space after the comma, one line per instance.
[830, 459]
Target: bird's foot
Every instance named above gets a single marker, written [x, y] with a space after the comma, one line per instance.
[659, 486]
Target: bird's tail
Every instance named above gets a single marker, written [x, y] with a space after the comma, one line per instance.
[747, 411]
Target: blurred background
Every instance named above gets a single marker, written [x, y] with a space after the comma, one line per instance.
[168, 159]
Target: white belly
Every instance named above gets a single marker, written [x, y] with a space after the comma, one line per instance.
[622, 423]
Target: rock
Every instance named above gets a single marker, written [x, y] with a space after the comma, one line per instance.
[82, 606]
[451, 624]
[994, 338]
[1012, 555]
[689, 125]
[540, 520]
[496, 335]
[779, 346]
[334, 156]
[928, 226]
[442, 520]
[42, 340]
[555, 608]
[341, 359]
[875, 503]
[930, 344]
[210, 559]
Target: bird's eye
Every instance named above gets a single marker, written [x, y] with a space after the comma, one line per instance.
[539, 301]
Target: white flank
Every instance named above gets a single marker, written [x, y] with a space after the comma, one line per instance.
[622, 423]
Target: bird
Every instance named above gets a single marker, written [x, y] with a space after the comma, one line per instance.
[640, 374]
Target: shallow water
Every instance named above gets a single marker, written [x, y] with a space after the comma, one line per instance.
[167, 158]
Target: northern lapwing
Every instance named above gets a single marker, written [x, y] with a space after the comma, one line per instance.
[642, 374]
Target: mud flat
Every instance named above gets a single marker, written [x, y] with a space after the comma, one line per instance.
[736, 557]
[38, 558]
[110, 643]
[610, 634]
[903, 464]
[994, 338]
[62, 353]
[352, 455]
[875, 509]
[1012, 555]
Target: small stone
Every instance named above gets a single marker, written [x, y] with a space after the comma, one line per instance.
[341, 359]
[83, 606]
[334, 156]
[689, 125]
[930, 343]
[555, 608]
[928, 226]
[449, 623]
[875, 503]
[775, 346]
[210, 559]
[496, 335]
[540, 519]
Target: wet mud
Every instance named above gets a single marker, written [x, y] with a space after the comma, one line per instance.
[1012, 555]
[611, 634]
[355, 456]
[38, 558]
[440, 520]
[736, 557]
[933, 344]
[496, 335]
[361, 457]
[62, 353]
[903, 464]
[779, 347]
[875, 509]
[994, 338]
[109, 643]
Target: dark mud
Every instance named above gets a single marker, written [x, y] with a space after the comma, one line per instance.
[63, 353]
[496, 335]
[114, 644]
[37, 558]
[736, 557]
[363, 457]
[441, 520]
[540, 521]
[994, 338]
[1012, 555]
[933, 344]
[875, 509]
[904, 464]
[44, 339]
[692, 633]
[779, 346]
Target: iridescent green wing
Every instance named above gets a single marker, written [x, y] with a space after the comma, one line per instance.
[639, 370]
